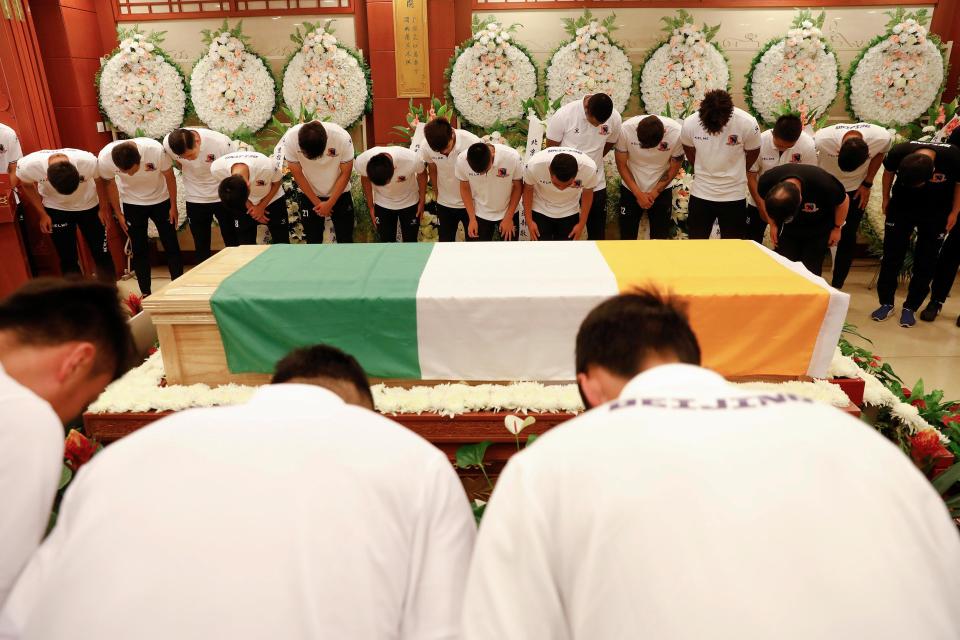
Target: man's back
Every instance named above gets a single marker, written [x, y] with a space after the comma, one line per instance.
[295, 516]
[689, 509]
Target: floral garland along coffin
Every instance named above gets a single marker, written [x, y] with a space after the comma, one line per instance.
[141, 90]
[798, 72]
[591, 62]
[680, 70]
[231, 86]
[326, 78]
[898, 76]
[491, 77]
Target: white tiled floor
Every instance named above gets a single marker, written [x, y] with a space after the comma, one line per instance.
[930, 351]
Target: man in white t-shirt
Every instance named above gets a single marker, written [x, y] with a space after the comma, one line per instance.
[320, 157]
[62, 185]
[649, 155]
[786, 143]
[140, 187]
[195, 150]
[60, 344]
[10, 152]
[684, 507]
[558, 191]
[591, 125]
[394, 182]
[250, 187]
[491, 180]
[853, 154]
[444, 146]
[721, 142]
[301, 514]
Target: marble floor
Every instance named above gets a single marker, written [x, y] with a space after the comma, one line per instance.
[930, 351]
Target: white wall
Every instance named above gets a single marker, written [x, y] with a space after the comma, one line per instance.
[742, 33]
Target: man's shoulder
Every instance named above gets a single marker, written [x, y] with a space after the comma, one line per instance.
[28, 417]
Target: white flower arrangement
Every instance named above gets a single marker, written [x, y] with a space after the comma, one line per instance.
[326, 78]
[679, 71]
[899, 75]
[590, 62]
[232, 87]
[797, 73]
[490, 76]
[141, 90]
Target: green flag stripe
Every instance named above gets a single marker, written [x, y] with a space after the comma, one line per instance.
[361, 298]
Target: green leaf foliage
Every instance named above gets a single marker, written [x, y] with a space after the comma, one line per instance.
[471, 456]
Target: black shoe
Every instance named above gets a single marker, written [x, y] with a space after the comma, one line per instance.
[931, 312]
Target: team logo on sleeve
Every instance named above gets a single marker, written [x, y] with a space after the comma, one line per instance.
[150, 166]
[604, 129]
[211, 157]
[810, 207]
[261, 183]
[332, 152]
[401, 178]
[795, 157]
[578, 184]
[663, 146]
[938, 177]
[502, 172]
[3, 149]
[733, 140]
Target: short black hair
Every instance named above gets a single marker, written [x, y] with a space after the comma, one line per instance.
[180, 141]
[380, 169]
[915, 169]
[125, 155]
[564, 167]
[323, 362]
[312, 139]
[234, 193]
[954, 138]
[63, 177]
[479, 157]
[650, 132]
[783, 201]
[715, 111]
[853, 153]
[600, 106]
[438, 133]
[52, 311]
[788, 128]
[621, 333]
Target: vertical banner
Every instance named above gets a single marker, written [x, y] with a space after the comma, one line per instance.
[413, 63]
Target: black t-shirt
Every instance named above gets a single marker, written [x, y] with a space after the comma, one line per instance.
[820, 193]
[937, 193]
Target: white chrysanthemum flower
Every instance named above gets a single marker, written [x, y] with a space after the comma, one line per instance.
[690, 55]
[803, 74]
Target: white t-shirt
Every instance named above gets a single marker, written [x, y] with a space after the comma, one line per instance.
[198, 183]
[402, 191]
[720, 171]
[548, 199]
[448, 189]
[491, 190]
[10, 150]
[829, 140]
[33, 168]
[147, 185]
[649, 165]
[274, 519]
[322, 172]
[31, 458]
[804, 151]
[692, 509]
[264, 171]
[569, 127]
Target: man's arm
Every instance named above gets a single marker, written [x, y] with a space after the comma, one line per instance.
[887, 184]
[367, 187]
[528, 211]
[753, 181]
[12, 173]
[297, 170]
[422, 202]
[622, 158]
[672, 170]
[839, 218]
[467, 196]
[259, 211]
[32, 195]
[110, 200]
[343, 181]
[862, 195]
[691, 153]
[606, 148]
[586, 201]
[507, 229]
[432, 172]
[551, 143]
[952, 218]
[752, 155]
[171, 181]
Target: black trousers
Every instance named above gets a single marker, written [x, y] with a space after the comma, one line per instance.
[277, 222]
[808, 246]
[947, 267]
[486, 229]
[848, 241]
[902, 219]
[138, 216]
[631, 213]
[597, 218]
[65, 225]
[450, 219]
[701, 215]
[555, 228]
[341, 214]
[756, 226]
[200, 217]
[387, 220]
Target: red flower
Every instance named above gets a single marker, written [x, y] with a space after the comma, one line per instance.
[920, 403]
[948, 419]
[906, 392]
[134, 304]
[929, 454]
[78, 449]
[954, 408]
